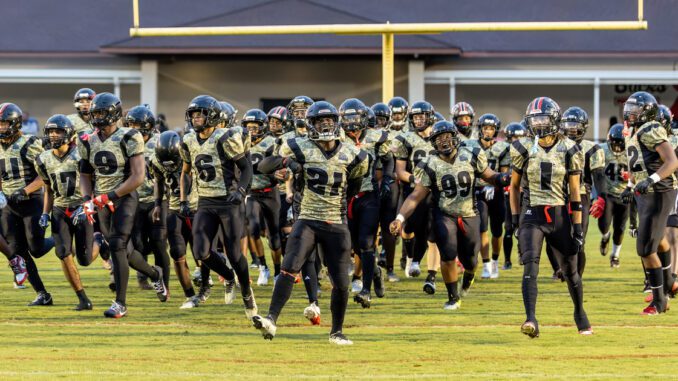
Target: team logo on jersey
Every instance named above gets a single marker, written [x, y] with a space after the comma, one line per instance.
[343, 157]
[116, 138]
[528, 212]
[561, 148]
[463, 158]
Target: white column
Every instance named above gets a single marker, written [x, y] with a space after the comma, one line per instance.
[149, 84]
[415, 82]
[596, 109]
[453, 95]
[116, 86]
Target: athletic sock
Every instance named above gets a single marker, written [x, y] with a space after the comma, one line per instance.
[615, 250]
[467, 279]
[530, 290]
[367, 260]
[82, 296]
[310, 277]
[486, 260]
[495, 256]
[281, 294]
[355, 277]
[665, 259]
[408, 247]
[276, 269]
[508, 247]
[452, 291]
[606, 236]
[262, 261]
[431, 277]
[338, 308]
[656, 279]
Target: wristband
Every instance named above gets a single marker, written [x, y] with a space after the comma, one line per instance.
[515, 219]
[400, 218]
[86, 198]
[411, 179]
[655, 178]
[575, 206]
[629, 184]
[112, 196]
[158, 202]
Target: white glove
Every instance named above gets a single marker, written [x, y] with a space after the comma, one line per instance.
[489, 193]
[3, 200]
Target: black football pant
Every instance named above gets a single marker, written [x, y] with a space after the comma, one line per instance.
[387, 213]
[207, 223]
[552, 224]
[21, 228]
[64, 232]
[149, 236]
[334, 241]
[266, 205]
[363, 224]
[116, 226]
[616, 214]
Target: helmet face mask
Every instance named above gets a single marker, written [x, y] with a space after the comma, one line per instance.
[421, 116]
[515, 131]
[256, 122]
[322, 122]
[56, 137]
[58, 131]
[541, 125]
[141, 118]
[398, 120]
[573, 130]
[445, 138]
[167, 150]
[616, 140]
[82, 101]
[11, 118]
[641, 107]
[278, 120]
[462, 117]
[352, 122]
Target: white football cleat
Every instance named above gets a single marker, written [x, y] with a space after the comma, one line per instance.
[264, 274]
[312, 313]
[356, 286]
[339, 338]
[487, 270]
[494, 269]
[191, 302]
[415, 271]
[265, 325]
[229, 291]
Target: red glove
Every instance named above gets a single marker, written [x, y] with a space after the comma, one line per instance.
[625, 175]
[102, 201]
[597, 208]
[507, 190]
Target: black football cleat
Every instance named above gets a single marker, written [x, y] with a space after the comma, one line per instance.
[44, 298]
[85, 304]
[530, 328]
[378, 282]
[363, 298]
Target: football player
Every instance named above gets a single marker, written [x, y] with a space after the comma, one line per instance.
[111, 168]
[652, 162]
[21, 185]
[574, 123]
[330, 170]
[449, 175]
[363, 208]
[58, 168]
[490, 199]
[263, 203]
[409, 148]
[81, 119]
[616, 213]
[211, 157]
[552, 165]
[150, 230]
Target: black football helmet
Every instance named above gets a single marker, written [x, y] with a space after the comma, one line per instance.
[106, 110]
[11, 113]
[640, 108]
[488, 120]
[616, 139]
[61, 123]
[665, 118]
[317, 130]
[142, 116]
[398, 105]
[210, 109]
[371, 118]
[167, 150]
[542, 117]
[382, 114]
[228, 114]
[574, 123]
[459, 110]
[280, 113]
[353, 115]
[440, 142]
[80, 95]
[259, 117]
[421, 107]
[438, 116]
[515, 130]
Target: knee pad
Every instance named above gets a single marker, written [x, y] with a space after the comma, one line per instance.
[61, 252]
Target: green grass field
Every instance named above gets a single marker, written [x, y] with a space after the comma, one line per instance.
[405, 335]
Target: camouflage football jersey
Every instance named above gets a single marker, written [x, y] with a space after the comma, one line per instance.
[411, 147]
[375, 144]
[452, 183]
[546, 170]
[61, 174]
[213, 160]
[326, 177]
[594, 158]
[498, 156]
[258, 152]
[108, 159]
[615, 167]
[17, 163]
[644, 160]
[171, 181]
[145, 190]
[81, 127]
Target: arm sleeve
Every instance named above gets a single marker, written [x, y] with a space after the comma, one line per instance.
[421, 175]
[245, 167]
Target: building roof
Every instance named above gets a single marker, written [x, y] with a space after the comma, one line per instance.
[70, 27]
